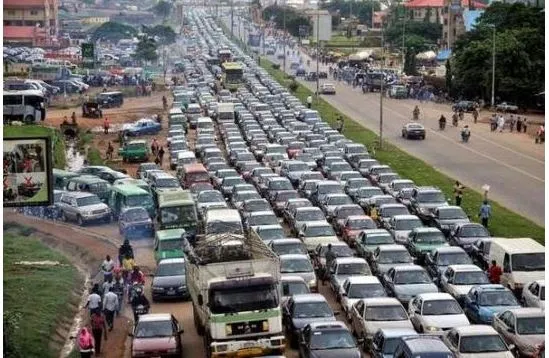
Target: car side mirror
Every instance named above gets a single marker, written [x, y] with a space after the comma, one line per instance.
[200, 300]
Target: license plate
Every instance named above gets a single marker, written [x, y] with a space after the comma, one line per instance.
[171, 292]
[249, 352]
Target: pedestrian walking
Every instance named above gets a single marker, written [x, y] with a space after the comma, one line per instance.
[309, 101]
[110, 306]
[106, 125]
[110, 151]
[519, 124]
[330, 257]
[107, 267]
[540, 135]
[106, 286]
[458, 192]
[494, 273]
[340, 124]
[524, 125]
[99, 329]
[501, 123]
[118, 289]
[512, 123]
[85, 343]
[94, 300]
[493, 123]
[154, 147]
[157, 160]
[485, 213]
[161, 155]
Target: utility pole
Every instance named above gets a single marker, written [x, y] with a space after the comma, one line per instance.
[317, 54]
[403, 41]
[381, 90]
[284, 37]
[232, 18]
[492, 102]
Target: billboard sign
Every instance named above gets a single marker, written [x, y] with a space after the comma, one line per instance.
[325, 30]
[88, 55]
[254, 40]
[28, 172]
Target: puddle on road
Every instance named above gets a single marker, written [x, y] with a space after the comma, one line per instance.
[114, 128]
[75, 159]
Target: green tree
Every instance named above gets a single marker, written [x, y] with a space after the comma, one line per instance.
[165, 34]
[449, 75]
[114, 32]
[146, 49]
[410, 62]
[163, 8]
[519, 51]
[361, 9]
[294, 19]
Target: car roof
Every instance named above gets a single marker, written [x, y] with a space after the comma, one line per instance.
[78, 194]
[527, 312]
[410, 267]
[519, 245]
[404, 217]
[292, 279]
[424, 229]
[153, 317]
[397, 332]
[435, 296]
[381, 301]
[362, 279]
[294, 257]
[309, 297]
[475, 330]
[465, 268]
[425, 344]
[350, 260]
[289, 240]
[328, 325]
[392, 247]
[449, 249]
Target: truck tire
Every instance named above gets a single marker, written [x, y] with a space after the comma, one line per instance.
[207, 350]
[29, 119]
[197, 325]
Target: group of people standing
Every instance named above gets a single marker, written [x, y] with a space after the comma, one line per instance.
[158, 152]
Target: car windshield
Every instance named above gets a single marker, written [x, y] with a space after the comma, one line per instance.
[378, 239]
[458, 258]
[136, 214]
[332, 339]
[246, 195]
[229, 182]
[361, 224]
[352, 184]
[528, 262]
[88, 200]
[339, 250]
[368, 193]
[294, 288]
[223, 227]
[289, 248]
[531, 325]
[210, 197]
[345, 212]
[431, 197]
[285, 195]
[243, 298]
[280, 185]
[430, 238]
[258, 220]
[172, 244]
[385, 179]
[298, 167]
[401, 185]
[154, 329]
[473, 231]
[329, 189]
[481, 344]
[257, 205]
[313, 231]
[498, 298]
[411, 277]
[167, 183]
[295, 265]
[470, 278]
[366, 290]
[312, 310]
[173, 269]
[272, 234]
[390, 345]
[385, 313]
[451, 214]
[441, 307]
[407, 224]
[390, 212]
[353, 269]
[309, 215]
[139, 200]
[394, 257]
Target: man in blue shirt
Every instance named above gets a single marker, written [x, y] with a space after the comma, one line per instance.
[485, 213]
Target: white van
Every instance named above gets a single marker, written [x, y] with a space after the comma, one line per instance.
[225, 112]
[223, 221]
[522, 260]
[204, 123]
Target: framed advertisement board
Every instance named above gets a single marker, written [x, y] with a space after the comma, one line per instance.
[27, 171]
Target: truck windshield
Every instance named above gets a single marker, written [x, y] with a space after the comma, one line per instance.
[240, 299]
[182, 214]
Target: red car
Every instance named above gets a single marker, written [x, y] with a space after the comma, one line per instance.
[156, 335]
[354, 225]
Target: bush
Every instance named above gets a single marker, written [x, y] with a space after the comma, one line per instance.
[276, 66]
[293, 86]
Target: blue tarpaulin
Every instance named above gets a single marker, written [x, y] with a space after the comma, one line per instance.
[444, 55]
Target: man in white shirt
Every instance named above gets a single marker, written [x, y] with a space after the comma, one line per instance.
[309, 101]
[107, 267]
[110, 305]
[94, 300]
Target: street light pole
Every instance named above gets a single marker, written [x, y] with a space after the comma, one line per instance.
[381, 90]
[232, 19]
[284, 37]
[493, 66]
[403, 41]
[317, 53]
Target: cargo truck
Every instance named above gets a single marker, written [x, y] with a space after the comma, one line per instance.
[233, 283]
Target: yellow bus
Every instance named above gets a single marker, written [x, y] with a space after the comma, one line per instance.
[233, 75]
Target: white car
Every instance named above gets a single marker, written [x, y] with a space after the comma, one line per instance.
[533, 294]
[327, 88]
[359, 287]
[344, 267]
[292, 285]
[476, 341]
[299, 265]
[370, 314]
[458, 280]
[435, 312]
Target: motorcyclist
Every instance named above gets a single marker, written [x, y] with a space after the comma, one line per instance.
[125, 249]
[442, 122]
[139, 300]
[137, 276]
[416, 113]
[465, 134]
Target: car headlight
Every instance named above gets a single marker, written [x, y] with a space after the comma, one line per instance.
[432, 329]
[228, 329]
[182, 287]
[265, 326]
[312, 283]
[221, 348]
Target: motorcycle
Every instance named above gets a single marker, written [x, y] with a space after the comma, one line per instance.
[140, 310]
[132, 290]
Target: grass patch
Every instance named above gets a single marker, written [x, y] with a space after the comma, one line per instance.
[38, 295]
[504, 223]
[94, 157]
[59, 150]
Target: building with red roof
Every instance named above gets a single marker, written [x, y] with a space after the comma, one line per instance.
[31, 22]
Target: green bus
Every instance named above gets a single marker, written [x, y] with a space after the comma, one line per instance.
[233, 75]
[168, 244]
[130, 196]
[177, 210]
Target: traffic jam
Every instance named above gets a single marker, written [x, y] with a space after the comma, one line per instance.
[288, 238]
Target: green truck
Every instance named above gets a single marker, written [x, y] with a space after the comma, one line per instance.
[134, 151]
[177, 210]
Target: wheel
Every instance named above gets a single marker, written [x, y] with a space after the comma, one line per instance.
[63, 217]
[28, 119]
[197, 325]
[79, 220]
[403, 135]
[423, 137]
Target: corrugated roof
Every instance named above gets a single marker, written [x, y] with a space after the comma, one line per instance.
[440, 3]
[21, 32]
[24, 3]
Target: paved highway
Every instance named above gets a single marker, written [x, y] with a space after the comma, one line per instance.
[510, 163]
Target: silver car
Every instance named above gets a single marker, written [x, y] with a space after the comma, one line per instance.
[83, 208]
[522, 327]
[344, 267]
[406, 282]
[436, 312]
[299, 265]
[476, 341]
